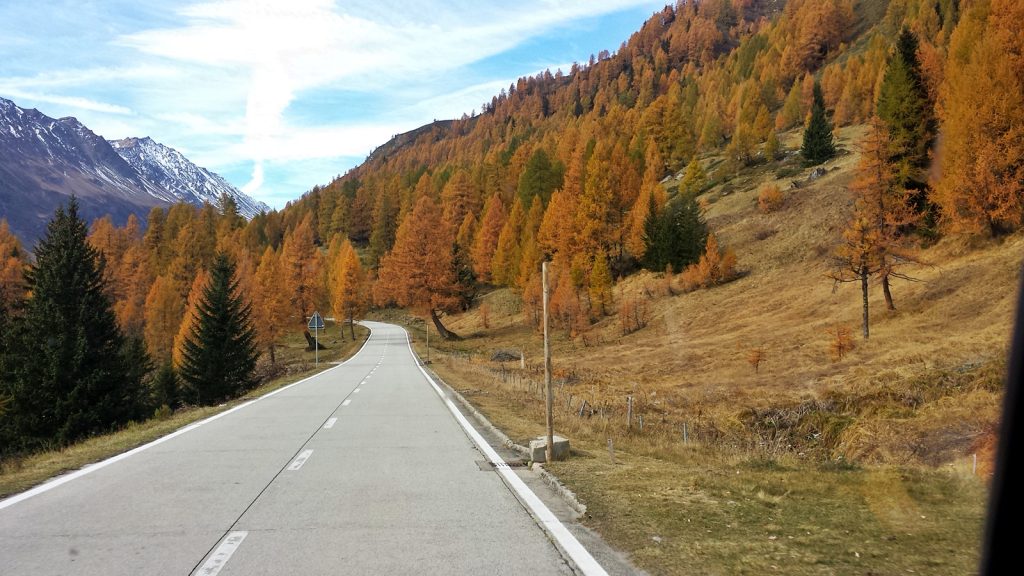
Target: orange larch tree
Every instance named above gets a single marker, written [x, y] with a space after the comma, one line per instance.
[164, 310]
[881, 201]
[303, 270]
[348, 287]
[271, 307]
[12, 266]
[195, 294]
[507, 255]
[982, 152]
[486, 241]
[419, 272]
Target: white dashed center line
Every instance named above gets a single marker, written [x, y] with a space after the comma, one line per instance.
[300, 460]
[346, 402]
[330, 423]
[222, 554]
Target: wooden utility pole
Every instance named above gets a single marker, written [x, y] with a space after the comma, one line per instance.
[550, 452]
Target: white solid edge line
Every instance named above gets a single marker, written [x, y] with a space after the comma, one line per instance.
[584, 561]
[222, 554]
[89, 468]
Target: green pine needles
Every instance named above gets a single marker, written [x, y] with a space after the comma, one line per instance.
[68, 371]
[818, 143]
[219, 354]
[674, 234]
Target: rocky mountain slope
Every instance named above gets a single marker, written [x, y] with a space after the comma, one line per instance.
[43, 161]
[172, 171]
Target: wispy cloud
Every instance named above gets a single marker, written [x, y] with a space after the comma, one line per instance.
[264, 87]
[361, 46]
[71, 101]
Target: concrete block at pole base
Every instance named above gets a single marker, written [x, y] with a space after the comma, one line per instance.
[539, 446]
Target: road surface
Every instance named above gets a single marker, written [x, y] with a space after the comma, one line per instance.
[362, 469]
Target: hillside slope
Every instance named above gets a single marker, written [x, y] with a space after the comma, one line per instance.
[894, 441]
[690, 363]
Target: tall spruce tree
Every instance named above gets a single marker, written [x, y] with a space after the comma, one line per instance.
[675, 235]
[818, 145]
[5, 378]
[220, 352]
[908, 114]
[72, 372]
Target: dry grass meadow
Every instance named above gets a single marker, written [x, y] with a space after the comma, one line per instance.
[808, 465]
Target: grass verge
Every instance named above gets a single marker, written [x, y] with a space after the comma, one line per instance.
[20, 474]
[693, 509]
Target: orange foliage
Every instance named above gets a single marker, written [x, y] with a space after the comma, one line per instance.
[715, 267]
[486, 241]
[348, 284]
[770, 198]
[982, 184]
[303, 269]
[12, 265]
[164, 311]
[188, 322]
[418, 272]
[271, 308]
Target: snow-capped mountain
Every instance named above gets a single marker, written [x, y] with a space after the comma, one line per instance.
[43, 161]
[170, 170]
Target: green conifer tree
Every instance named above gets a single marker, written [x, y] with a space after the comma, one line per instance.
[818, 145]
[675, 235]
[688, 233]
[694, 179]
[655, 242]
[220, 352]
[164, 387]
[71, 371]
[904, 107]
[540, 177]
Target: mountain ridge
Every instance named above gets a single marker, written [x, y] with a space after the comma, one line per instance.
[46, 160]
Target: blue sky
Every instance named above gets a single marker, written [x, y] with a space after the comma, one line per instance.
[278, 96]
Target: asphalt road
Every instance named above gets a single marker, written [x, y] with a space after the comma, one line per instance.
[362, 469]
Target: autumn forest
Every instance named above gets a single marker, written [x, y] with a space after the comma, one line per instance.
[571, 167]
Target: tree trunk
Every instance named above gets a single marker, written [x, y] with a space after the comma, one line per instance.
[444, 332]
[352, 327]
[886, 292]
[273, 356]
[313, 343]
[864, 293]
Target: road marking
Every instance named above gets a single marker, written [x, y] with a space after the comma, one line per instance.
[61, 480]
[568, 543]
[346, 402]
[300, 460]
[330, 423]
[356, 391]
[222, 554]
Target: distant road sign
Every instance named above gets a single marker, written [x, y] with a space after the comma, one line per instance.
[316, 322]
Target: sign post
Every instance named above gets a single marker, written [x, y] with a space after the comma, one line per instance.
[550, 451]
[316, 323]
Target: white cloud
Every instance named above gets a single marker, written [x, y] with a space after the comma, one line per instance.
[70, 101]
[279, 51]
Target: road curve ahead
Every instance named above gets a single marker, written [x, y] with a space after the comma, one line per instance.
[362, 469]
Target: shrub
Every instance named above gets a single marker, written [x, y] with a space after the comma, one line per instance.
[841, 342]
[770, 199]
[715, 267]
[634, 314]
[485, 314]
[755, 357]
